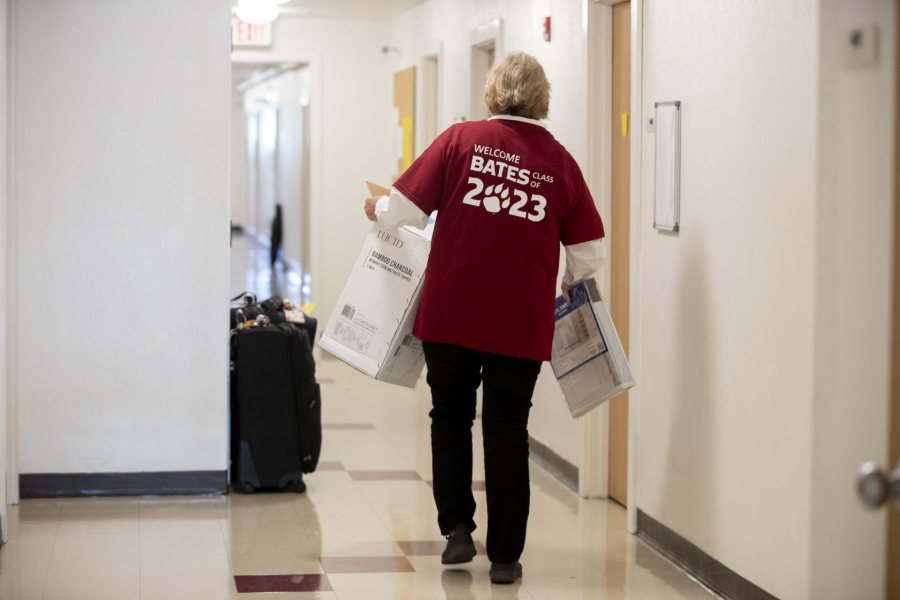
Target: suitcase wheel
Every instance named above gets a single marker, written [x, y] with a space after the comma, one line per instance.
[298, 486]
[244, 488]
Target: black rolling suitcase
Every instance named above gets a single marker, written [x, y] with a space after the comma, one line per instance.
[276, 427]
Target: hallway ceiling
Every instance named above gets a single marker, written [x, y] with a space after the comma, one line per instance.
[241, 72]
[359, 9]
[341, 9]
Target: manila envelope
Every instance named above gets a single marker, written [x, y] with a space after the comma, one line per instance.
[377, 190]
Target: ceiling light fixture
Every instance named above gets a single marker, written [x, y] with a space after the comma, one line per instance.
[257, 12]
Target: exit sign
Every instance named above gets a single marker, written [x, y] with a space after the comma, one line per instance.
[245, 34]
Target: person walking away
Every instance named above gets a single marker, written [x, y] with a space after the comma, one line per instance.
[507, 194]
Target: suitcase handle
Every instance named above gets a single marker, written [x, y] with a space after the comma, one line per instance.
[248, 297]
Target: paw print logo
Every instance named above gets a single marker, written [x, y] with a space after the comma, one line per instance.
[495, 198]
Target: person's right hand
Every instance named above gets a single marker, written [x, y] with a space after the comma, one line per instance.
[370, 207]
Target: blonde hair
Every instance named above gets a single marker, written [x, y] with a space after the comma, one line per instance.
[518, 86]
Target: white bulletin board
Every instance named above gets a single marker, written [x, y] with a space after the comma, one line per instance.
[667, 122]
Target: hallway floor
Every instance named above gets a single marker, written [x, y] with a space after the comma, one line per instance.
[364, 530]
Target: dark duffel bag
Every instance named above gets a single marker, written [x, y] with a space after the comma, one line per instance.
[244, 307]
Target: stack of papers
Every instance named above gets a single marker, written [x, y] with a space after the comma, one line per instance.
[587, 359]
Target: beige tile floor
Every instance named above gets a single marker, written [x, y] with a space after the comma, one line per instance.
[190, 548]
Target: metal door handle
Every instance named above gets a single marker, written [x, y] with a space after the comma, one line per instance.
[874, 486]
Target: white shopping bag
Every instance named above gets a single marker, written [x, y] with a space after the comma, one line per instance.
[587, 359]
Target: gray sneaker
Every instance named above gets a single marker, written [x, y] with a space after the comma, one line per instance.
[505, 573]
[460, 547]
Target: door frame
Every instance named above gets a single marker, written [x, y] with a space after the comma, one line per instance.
[431, 67]
[892, 550]
[9, 455]
[594, 474]
[9, 436]
[486, 35]
[634, 338]
[595, 433]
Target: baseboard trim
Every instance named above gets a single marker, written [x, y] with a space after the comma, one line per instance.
[695, 561]
[563, 470]
[164, 483]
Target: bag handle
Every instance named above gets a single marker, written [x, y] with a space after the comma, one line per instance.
[249, 298]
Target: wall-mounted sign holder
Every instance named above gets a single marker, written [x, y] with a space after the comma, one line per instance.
[666, 216]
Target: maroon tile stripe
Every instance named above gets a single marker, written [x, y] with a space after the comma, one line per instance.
[249, 584]
[330, 465]
[384, 476]
[366, 564]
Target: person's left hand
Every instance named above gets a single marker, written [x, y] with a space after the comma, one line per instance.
[370, 207]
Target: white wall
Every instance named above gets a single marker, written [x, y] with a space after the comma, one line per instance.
[350, 88]
[238, 162]
[854, 275]
[447, 25]
[727, 305]
[121, 192]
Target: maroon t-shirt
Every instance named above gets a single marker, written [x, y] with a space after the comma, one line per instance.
[507, 193]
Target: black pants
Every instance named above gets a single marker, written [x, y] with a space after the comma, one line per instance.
[454, 374]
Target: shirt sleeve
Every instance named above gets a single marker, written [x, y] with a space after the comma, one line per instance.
[581, 221]
[583, 260]
[423, 181]
[397, 210]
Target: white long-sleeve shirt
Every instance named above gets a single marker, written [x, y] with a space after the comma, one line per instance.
[582, 260]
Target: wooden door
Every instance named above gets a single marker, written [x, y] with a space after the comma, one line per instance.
[893, 548]
[405, 103]
[620, 239]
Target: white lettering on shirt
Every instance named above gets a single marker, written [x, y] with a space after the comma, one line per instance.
[495, 153]
[502, 196]
[500, 169]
